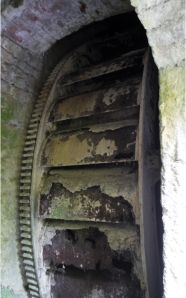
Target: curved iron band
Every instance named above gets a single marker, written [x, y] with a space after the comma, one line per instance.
[26, 251]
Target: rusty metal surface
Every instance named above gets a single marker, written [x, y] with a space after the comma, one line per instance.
[125, 61]
[112, 98]
[90, 147]
[127, 117]
[97, 83]
[88, 249]
[90, 204]
[87, 195]
[84, 256]
[85, 249]
[75, 283]
[88, 177]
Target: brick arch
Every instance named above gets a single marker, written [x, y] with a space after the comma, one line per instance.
[36, 25]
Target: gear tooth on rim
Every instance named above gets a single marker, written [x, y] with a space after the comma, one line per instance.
[27, 263]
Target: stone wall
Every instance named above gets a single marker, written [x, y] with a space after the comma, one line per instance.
[19, 86]
[173, 148]
[164, 22]
[27, 32]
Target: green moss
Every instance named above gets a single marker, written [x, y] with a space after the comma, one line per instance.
[8, 293]
[7, 110]
[12, 119]
[172, 90]
[14, 115]
[10, 137]
[14, 111]
[172, 109]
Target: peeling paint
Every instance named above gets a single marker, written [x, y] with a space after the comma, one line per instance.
[116, 97]
[90, 204]
[88, 147]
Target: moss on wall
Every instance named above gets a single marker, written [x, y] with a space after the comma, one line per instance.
[14, 117]
[172, 93]
[172, 107]
[173, 152]
[8, 293]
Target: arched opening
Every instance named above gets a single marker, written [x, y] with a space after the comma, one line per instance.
[94, 140]
[29, 28]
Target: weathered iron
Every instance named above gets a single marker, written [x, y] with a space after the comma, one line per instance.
[83, 141]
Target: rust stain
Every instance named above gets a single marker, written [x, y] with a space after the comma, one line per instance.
[85, 249]
[83, 260]
[83, 7]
